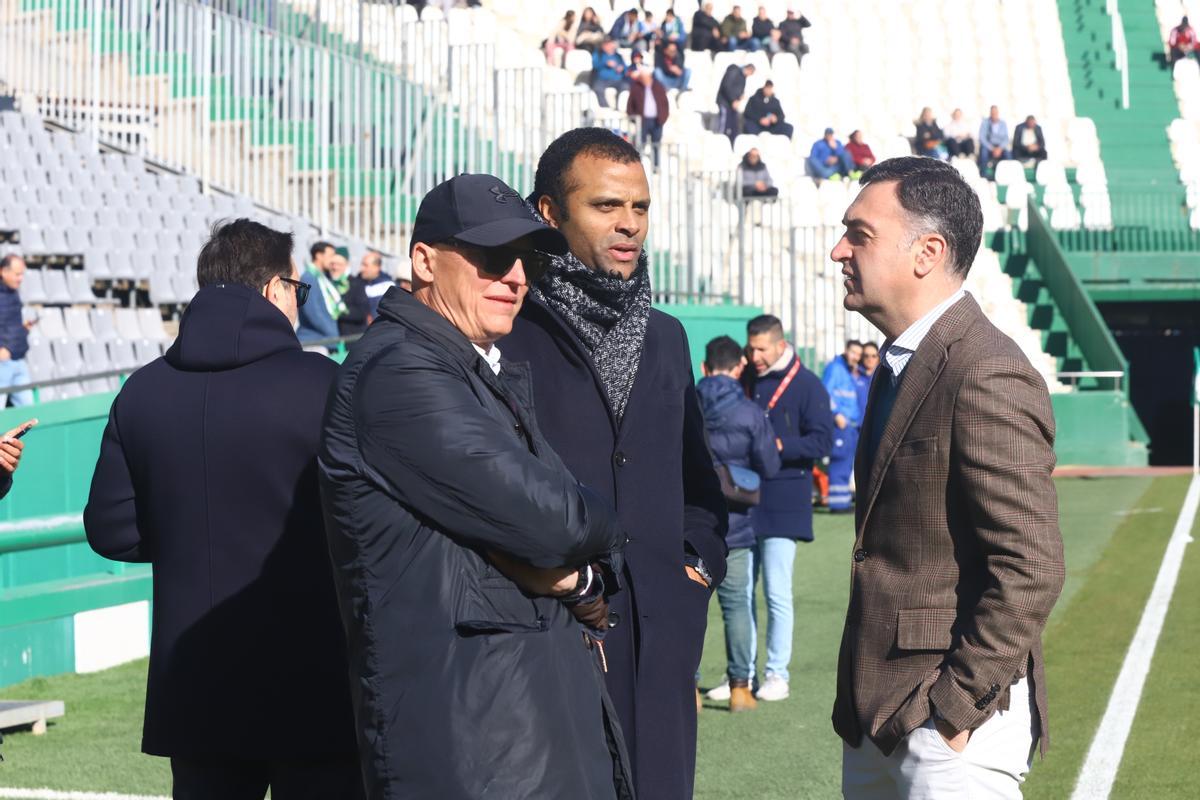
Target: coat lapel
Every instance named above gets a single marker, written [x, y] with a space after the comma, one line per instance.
[567, 335]
[917, 381]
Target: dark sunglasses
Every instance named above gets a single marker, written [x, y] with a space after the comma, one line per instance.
[301, 290]
[498, 261]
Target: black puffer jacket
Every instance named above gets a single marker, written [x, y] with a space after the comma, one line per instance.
[463, 685]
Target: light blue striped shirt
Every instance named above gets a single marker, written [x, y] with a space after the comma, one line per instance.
[900, 351]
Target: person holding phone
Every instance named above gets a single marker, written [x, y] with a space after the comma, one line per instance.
[11, 447]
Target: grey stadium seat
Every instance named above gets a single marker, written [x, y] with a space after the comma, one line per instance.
[55, 283]
[79, 283]
[78, 325]
[150, 322]
[103, 326]
[32, 288]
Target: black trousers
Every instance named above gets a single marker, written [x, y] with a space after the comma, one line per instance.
[231, 779]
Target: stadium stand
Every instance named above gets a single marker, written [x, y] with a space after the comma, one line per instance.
[345, 112]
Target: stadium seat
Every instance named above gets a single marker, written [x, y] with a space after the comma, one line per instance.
[150, 323]
[54, 282]
[77, 324]
[32, 289]
[1009, 173]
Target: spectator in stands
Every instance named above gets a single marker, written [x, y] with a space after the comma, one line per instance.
[669, 69]
[608, 71]
[792, 34]
[730, 95]
[1182, 41]
[318, 319]
[14, 333]
[829, 158]
[11, 448]
[350, 304]
[756, 180]
[764, 114]
[993, 142]
[672, 30]
[735, 33]
[860, 151]
[929, 140]
[648, 102]
[840, 380]
[466, 531]
[866, 372]
[958, 136]
[1029, 143]
[584, 333]
[764, 31]
[375, 282]
[208, 471]
[706, 31]
[627, 30]
[648, 30]
[561, 39]
[590, 34]
[797, 406]
[743, 445]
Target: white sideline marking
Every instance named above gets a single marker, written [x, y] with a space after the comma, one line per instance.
[1104, 756]
[53, 794]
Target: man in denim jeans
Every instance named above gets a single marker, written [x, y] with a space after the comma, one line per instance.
[798, 407]
[14, 332]
[739, 435]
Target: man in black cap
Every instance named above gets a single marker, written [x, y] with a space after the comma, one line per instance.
[465, 554]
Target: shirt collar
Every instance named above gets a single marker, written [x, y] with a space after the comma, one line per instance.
[898, 352]
[491, 356]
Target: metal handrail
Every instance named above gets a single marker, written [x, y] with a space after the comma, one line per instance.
[1120, 49]
[1072, 378]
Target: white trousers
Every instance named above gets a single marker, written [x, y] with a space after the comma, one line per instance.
[923, 767]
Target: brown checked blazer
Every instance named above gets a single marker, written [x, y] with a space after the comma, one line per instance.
[957, 558]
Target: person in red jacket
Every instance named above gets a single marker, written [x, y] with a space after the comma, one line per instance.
[1182, 41]
[648, 102]
[860, 151]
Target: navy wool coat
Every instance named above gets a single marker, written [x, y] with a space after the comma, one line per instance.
[208, 470]
[803, 421]
[656, 469]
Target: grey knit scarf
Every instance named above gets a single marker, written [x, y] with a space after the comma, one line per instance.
[607, 313]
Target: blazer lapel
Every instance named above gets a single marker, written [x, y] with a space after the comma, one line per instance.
[573, 341]
[916, 382]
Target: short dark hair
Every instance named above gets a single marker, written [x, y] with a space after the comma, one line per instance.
[871, 344]
[853, 343]
[550, 180]
[769, 83]
[722, 354]
[318, 248]
[244, 253]
[938, 200]
[765, 323]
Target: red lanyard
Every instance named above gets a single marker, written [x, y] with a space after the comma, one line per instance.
[783, 385]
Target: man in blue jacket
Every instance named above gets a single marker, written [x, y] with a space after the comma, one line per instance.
[318, 317]
[829, 158]
[608, 71]
[14, 332]
[841, 381]
[739, 436]
[798, 407]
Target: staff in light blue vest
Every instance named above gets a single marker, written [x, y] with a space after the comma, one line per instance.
[840, 381]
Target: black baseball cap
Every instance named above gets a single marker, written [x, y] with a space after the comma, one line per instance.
[481, 210]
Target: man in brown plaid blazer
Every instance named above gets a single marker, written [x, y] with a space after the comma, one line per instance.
[957, 559]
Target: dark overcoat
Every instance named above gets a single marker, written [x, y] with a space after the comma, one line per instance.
[464, 686]
[656, 468]
[208, 470]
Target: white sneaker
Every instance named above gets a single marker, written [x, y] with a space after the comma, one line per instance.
[773, 688]
[720, 692]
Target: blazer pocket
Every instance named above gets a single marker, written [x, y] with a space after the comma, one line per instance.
[925, 628]
[916, 447]
[494, 604]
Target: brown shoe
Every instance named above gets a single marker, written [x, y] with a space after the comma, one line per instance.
[740, 696]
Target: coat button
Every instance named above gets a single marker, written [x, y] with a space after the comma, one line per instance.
[517, 429]
[614, 619]
[860, 555]
[619, 459]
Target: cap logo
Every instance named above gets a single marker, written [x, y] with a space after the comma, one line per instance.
[501, 194]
